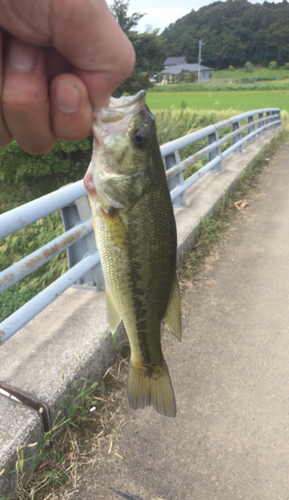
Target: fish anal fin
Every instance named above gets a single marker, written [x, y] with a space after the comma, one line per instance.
[155, 390]
[172, 316]
[113, 316]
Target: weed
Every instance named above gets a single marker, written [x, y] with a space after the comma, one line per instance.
[210, 231]
[78, 405]
[49, 455]
[62, 450]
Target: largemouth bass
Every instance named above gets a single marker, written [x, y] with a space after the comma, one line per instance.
[136, 237]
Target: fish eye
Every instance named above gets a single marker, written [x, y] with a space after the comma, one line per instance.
[140, 138]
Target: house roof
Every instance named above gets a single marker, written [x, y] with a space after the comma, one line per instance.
[172, 61]
[176, 70]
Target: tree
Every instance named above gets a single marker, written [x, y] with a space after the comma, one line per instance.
[248, 67]
[148, 48]
[119, 10]
[272, 65]
[234, 32]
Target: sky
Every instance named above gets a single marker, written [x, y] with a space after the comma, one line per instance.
[161, 13]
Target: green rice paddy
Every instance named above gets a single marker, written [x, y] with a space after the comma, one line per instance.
[240, 101]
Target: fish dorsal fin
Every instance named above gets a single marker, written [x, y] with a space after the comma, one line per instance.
[172, 316]
[113, 316]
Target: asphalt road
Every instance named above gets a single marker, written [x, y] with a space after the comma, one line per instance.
[230, 439]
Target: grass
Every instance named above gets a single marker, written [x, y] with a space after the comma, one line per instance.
[87, 425]
[18, 245]
[217, 101]
[247, 84]
[262, 73]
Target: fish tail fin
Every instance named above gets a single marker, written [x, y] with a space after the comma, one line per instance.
[155, 390]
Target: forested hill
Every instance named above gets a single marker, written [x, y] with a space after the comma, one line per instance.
[234, 32]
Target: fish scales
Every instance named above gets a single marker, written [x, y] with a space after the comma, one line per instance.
[137, 241]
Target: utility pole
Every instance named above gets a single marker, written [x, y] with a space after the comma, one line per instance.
[200, 59]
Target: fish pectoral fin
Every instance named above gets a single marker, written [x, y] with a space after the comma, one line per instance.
[155, 390]
[172, 316]
[113, 315]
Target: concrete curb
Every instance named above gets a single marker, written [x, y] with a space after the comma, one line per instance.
[70, 339]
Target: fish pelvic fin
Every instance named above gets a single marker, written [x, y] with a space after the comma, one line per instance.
[172, 316]
[155, 390]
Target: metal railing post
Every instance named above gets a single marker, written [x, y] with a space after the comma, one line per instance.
[275, 117]
[260, 124]
[237, 138]
[251, 129]
[215, 152]
[72, 215]
[178, 179]
[268, 120]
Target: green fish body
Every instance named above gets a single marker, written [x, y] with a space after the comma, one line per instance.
[136, 237]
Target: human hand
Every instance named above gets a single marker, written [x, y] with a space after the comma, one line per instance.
[59, 59]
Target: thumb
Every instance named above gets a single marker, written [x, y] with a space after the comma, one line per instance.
[87, 34]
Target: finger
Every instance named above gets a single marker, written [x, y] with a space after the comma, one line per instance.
[71, 112]
[5, 136]
[55, 63]
[25, 98]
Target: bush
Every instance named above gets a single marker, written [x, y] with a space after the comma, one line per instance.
[136, 81]
[192, 77]
[286, 66]
[182, 76]
[231, 68]
[65, 163]
[272, 65]
[248, 67]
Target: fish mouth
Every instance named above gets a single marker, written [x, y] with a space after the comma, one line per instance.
[121, 107]
[126, 104]
[115, 118]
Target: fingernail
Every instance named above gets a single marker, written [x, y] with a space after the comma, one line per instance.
[21, 56]
[67, 96]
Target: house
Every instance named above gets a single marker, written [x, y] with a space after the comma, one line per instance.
[174, 61]
[173, 68]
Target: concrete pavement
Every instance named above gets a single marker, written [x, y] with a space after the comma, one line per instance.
[230, 439]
